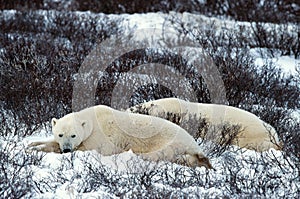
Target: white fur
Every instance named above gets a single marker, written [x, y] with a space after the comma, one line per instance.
[255, 133]
[110, 132]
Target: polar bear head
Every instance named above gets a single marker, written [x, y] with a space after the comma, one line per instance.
[69, 132]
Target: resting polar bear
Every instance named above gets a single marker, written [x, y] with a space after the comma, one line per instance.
[254, 133]
[110, 132]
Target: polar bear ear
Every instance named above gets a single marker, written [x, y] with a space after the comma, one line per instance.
[83, 124]
[53, 121]
[87, 126]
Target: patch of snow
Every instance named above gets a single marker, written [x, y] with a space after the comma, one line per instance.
[287, 63]
[296, 115]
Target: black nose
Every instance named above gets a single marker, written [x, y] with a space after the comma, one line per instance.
[67, 150]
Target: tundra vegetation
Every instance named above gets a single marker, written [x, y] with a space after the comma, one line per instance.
[43, 44]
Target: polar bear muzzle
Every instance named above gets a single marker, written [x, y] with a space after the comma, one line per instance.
[67, 147]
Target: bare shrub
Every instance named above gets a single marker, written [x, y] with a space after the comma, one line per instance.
[11, 124]
[239, 173]
[245, 82]
[140, 179]
[37, 68]
[291, 128]
[219, 138]
[38, 61]
[15, 170]
[215, 137]
[150, 92]
[22, 5]
[264, 176]
[277, 39]
[63, 172]
[264, 91]
[33, 88]
[242, 175]
[279, 11]
[138, 57]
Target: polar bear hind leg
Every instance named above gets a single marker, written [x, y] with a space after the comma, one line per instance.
[195, 160]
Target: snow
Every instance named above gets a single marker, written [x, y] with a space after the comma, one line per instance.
[296, 115]
[149, 20]
[159, 23]
[287, 63]
[67, 175]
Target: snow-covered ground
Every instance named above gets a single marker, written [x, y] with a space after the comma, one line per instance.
[91, 175]
[287, 63]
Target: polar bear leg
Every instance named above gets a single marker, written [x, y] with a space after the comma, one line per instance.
[47, 146]
[196, 160]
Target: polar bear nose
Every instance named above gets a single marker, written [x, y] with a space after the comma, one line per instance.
[67, 150]
[67, 147]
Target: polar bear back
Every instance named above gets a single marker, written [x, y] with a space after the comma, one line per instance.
[254, 133]
[109, 132]
[119, 131]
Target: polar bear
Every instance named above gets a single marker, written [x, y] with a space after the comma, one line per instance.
[253, 133]
[109, 131]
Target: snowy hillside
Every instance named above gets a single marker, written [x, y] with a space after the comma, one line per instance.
[45, 52]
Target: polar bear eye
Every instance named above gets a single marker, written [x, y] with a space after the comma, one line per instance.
[73, 136]
[60, 135]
